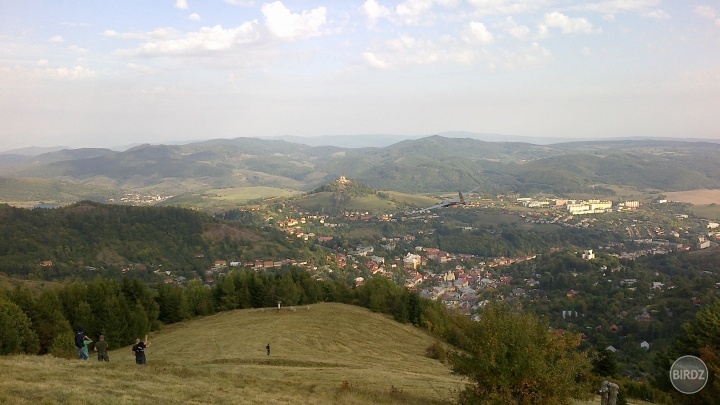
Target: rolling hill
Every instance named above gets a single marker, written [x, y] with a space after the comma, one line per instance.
[427, 165]
[324, 353]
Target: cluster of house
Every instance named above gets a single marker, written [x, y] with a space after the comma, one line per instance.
[458, 288]
[578, 207]
[140, 199]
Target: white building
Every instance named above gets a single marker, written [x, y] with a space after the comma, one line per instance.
[412, 260]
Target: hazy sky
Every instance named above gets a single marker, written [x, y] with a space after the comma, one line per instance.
[108, 73]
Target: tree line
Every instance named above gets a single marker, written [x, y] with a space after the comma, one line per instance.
[43, 322]
[53, 244]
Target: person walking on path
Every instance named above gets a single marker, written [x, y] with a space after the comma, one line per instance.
[139, 351]
[101, 348]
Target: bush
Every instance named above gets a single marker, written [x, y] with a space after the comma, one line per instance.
[63, 345]
[437, 352]
[513, 358]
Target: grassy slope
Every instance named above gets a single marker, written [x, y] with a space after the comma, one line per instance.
[329, 353]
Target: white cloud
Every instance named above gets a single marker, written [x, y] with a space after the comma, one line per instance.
[518, 31]
[194, 17]
[287, 25]
[705, 11]
[413, 11]
[139, 68]
[568, 25]
[407, 51]
[207, 39]
[659, 15]
[408, 12]
[75, 48]
[42, 62]
[63, 73]
[526, 58]
[374, 61]
[159, 33]
[181, 4]
[493, 7]
[618, 6]
[57, 39]
[708, 12]
[477, 33]
[375, 11]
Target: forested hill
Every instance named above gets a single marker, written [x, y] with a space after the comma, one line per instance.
[424, 165]
[88, 238]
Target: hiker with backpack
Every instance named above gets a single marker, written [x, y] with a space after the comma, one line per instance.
[80, 338]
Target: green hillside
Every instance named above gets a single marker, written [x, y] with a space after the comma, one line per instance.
[111, 237]
[427, 165]
[318, 356]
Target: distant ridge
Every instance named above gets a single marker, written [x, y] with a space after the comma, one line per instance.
[34, 150]
[381, 140]
[435, 163]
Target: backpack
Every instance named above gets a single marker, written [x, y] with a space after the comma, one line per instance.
[79, 337]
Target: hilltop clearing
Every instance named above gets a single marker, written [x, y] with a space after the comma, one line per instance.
[324, 353]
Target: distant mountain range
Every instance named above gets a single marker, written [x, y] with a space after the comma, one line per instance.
[430, 164]
[375, 141]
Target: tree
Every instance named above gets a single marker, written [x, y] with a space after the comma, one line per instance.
[604, 363]
[701, 338]
[16, 335]
[514, 358]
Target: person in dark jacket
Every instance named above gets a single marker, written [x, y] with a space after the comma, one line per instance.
[139, 351]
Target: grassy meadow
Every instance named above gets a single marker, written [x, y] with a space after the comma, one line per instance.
[706, 203]
[245, 194]
[324, 353]
[708, 211]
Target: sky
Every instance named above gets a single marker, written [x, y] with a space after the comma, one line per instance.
[110, 73]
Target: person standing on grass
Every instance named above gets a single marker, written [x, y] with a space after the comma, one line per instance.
[80, 338]
[139, 351]
[101, 348]
[268, 348]
[86, 348]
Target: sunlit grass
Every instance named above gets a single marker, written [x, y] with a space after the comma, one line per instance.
[243, 194]
[325, 353]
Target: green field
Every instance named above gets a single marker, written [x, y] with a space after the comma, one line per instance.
[412, 199]
[324, 353]
[245, 194]
[371, 203]
[707, 211]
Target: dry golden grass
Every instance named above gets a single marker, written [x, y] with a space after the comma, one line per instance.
[696, 197]
[329, 353]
